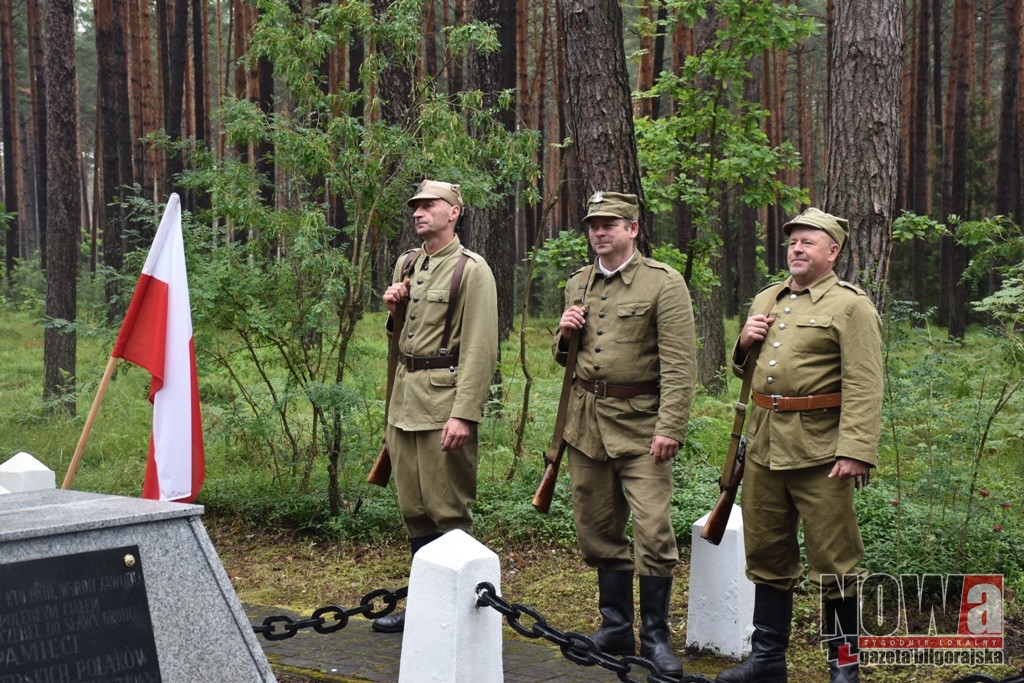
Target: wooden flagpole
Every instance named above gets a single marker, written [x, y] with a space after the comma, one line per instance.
[84, 438]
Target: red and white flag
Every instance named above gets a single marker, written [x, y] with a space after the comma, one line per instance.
[157, 335]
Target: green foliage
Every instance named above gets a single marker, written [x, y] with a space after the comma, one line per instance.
[952, 442]
[714, 143]
[278, 291]
[910, 226]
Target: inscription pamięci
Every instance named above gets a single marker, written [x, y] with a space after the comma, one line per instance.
[81, 617]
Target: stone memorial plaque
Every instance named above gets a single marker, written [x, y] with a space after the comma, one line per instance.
[82, 617]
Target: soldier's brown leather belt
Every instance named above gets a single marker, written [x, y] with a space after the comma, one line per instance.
[413, 363]
[785, 404]
[601, 388]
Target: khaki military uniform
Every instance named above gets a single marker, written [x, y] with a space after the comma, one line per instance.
[435, 488]
[825, 339]
[639, 329]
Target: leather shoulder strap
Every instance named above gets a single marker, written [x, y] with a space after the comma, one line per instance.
[453, 294]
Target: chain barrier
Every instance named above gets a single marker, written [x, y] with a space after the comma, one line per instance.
[331, 618]
[575, 646]
[985, 678]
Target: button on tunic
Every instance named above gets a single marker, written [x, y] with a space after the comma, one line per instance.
[825, 339]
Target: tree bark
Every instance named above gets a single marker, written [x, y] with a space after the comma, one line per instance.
[9, 123]
[114, 141]
[63, 206]
[599, 102]
[1008, 164]
[953, 258]
[864, 133]
[491, 228]
[40, 162]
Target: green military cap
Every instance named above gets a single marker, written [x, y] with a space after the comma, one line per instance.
[612, 205]
[435, 189]
[837, 228]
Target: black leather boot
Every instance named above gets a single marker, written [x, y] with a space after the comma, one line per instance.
[841, 619]
[655, 594]
[395, 622]
[615, 601]
[773, 612]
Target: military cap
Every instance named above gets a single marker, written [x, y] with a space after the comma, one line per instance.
[435, 189]
[837, 228]
[612, 205]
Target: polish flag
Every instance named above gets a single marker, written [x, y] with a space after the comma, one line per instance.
[157, 335]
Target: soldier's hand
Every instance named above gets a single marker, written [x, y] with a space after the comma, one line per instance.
[573, 319]
[754, 330]
[664, 448]
[454, 434]
[847, 468]
[395, 294]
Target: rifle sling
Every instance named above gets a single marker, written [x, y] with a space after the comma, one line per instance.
[741, 404]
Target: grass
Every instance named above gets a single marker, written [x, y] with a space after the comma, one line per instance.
[925, 511]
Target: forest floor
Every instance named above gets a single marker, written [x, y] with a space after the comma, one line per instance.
[301, 573]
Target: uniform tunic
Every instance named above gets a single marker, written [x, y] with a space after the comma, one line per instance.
[825, 339]
[435, 488]
[639, 328]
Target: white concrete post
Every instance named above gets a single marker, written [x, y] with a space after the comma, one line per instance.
[447, 638]
[721, 610]
[25, 473]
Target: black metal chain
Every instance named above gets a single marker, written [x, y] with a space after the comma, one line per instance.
[985, 678]
[575, 647]
[319, 621]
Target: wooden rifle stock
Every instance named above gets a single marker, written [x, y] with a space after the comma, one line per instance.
[714, 528]
[380, 471]
[546, 488]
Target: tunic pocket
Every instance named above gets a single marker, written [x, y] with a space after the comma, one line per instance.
[633, 321]
[814, 334]
[437, 296]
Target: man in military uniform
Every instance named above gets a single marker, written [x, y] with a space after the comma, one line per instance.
[811, 440]
[447, 355]
[626, 418]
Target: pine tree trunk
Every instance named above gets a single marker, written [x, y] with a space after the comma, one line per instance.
[9, 124]
[63, 210]
[599, 102]
[861, 176]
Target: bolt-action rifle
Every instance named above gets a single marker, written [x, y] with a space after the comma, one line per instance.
[380, 471]
[732, 469]
[553, 458]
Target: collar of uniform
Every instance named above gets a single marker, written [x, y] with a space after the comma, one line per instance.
[626, 272]
[441, 254]
[818, 288]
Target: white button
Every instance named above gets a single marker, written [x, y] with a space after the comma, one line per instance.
[787, 309]
[792, 296]
[782, 326]
[772, 362]
[770, 380]
[777, 344]
[813, 321]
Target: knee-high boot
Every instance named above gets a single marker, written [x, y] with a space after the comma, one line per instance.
[655, 594]
[773, 612]
[615, 602]
[395, 622]
[841, 619]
